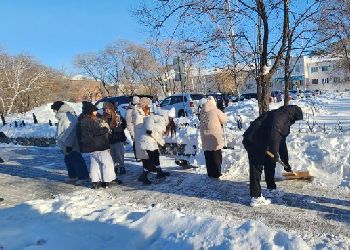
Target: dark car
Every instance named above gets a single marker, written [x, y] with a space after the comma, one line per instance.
[222, 100]
[249, 96]
[277, 95]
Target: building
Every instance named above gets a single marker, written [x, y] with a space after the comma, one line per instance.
[323, 73]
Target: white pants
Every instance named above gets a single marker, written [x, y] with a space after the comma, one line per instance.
[101, 166]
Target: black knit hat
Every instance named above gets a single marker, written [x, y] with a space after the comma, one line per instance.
[88, 108]
[57, 105]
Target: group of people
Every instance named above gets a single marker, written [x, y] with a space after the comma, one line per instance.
[101, 138]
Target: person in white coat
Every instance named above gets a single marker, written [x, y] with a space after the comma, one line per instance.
[67, 141]
[129, 120]
[147, 150]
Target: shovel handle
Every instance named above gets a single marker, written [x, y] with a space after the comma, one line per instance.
[279, 161]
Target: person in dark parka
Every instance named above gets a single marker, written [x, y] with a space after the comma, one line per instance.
[269, 132]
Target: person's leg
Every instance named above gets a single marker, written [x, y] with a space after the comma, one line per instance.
[105, 158]
[119, 154]
[208, 162]
[154, 159]
[269, 169]
[95, 173]
[80, 167]
[255, 171]
[69, 161]
[217, 161]
[113, 152]
[143, 177]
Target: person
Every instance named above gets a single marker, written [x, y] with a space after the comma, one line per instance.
[268, 133]
[92, 135]
[1, 160]
[117, 124]
[211, 121]
[129, 120]
[67, 141]
[147, 150]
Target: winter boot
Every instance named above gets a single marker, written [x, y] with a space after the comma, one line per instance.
[143, 178]
[259, 201]
[96, 185]
[161, 173]
[122, 170]
[117, 181]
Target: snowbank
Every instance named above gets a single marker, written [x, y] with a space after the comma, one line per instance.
[93, 220]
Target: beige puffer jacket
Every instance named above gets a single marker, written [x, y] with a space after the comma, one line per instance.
[211, 119]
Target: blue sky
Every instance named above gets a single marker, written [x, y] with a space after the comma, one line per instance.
[54, 31]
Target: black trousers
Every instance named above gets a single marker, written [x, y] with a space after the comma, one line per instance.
[213, 161]
[152, 161]
[255, 171]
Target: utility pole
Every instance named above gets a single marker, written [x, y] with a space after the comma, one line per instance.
[180, 76]
[232, 39]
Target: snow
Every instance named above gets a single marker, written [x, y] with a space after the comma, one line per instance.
[105, 223]
[188, 210]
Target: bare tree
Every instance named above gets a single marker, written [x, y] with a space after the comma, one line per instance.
[21, 78]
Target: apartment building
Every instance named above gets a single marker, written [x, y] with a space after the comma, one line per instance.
[322, 73]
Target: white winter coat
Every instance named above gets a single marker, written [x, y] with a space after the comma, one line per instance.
[66, 128]
[156, 124]
[139, 130]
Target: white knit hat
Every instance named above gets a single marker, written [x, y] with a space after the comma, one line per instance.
[135, 100]
[172, 113]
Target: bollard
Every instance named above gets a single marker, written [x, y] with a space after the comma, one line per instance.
[34, 118]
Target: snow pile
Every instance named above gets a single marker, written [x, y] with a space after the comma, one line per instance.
[95, 220]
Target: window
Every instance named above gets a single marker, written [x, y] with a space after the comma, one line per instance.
[314, 69]
[347, 78]
[314, 81]
[297, 69]
[280, 71]
[178, 99]
[166, 102]
[324, 68]
[336, 79]
[325, 80]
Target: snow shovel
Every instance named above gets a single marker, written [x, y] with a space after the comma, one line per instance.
[225, 140]
[295, 175]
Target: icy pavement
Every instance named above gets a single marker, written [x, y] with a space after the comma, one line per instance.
[319, 215]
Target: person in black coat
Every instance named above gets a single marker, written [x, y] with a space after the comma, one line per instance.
[268, 133]
[92, 134]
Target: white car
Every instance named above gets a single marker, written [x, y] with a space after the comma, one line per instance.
[308, 93]
[187, 104]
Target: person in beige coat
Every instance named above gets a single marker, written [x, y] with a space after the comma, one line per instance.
[211, 121]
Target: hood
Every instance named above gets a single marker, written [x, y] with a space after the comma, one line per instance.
[294, 113]
[210, 104]
[65, 108]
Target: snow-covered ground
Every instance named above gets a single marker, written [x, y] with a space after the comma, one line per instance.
[187, 210]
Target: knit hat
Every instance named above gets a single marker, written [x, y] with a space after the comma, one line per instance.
[145, 102]
[108, 105]
[135, 100]
[56, 105]
[88, 108]
[172, 113]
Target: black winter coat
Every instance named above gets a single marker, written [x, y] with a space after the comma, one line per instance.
[118, 134]
[269, 132]
[91, 136]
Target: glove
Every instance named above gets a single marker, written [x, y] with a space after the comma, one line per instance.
[69, 149]
[288, 168]
[149, 132]
[276, 157]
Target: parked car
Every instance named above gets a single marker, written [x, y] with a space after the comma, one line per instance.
[222, 100]
[187, 104]
[121, 102]
[293, 94]
[308, 93]
[249, 96]
[278, 95]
